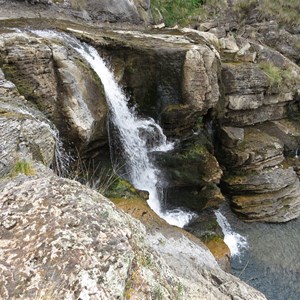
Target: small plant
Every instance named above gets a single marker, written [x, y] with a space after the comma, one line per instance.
[23, 167]
[180, 291]
[94, 176]
[274, 73]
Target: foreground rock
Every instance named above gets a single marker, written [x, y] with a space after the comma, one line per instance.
[62, 240]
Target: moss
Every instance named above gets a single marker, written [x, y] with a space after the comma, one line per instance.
[121, 188]
[12, 73]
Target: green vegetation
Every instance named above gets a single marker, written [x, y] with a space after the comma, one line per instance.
[183, 12]
[286, 12]
[274, 73]
[277, 76]
[23, 167]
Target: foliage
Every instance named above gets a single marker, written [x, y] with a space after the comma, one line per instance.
[23, 167]
[93, 176]
[176, 11]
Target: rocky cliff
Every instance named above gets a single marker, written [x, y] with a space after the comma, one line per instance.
[227, 96]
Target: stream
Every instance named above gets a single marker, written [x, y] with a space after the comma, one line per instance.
[271, 262]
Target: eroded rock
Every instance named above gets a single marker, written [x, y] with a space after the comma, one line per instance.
[61, 239]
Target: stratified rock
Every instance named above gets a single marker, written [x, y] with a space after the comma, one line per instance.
[61, 240]
[249, 149]
[53, 77]
[261, 186]
[200, 80]
[272, 195]
[25, 133]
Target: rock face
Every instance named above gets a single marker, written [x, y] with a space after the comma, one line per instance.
[220, 112]
[56, 80]
[137, 11]
[62, 240]
[25, 133]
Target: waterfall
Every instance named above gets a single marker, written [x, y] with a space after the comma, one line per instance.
[138, 136]
[235, 242]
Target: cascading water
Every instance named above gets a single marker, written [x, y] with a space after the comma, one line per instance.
[235, 242]
[139, 136]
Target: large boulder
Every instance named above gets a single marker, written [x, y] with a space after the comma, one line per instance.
[61, 240]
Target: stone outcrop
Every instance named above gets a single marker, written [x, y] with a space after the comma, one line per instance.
[54, 78]
[96, 11]
[62, 240]
[25, 133]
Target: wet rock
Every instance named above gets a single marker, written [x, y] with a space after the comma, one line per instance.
[192, 173]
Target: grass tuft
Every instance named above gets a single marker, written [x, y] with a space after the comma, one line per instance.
[23, 167]
[274, 73]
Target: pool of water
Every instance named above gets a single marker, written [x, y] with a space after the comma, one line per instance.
[271, 263]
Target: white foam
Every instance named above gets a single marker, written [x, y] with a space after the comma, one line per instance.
[235, 242]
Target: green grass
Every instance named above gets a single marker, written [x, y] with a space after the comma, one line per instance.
[274, 73]
[23, 167]
[287, 12]
[176, 11]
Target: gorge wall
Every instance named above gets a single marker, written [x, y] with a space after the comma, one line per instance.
[230, 100]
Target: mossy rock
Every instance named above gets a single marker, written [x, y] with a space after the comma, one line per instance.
[122, 189]
[192, 164]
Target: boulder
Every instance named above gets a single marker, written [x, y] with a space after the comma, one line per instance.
[61, 240]
[200, 80]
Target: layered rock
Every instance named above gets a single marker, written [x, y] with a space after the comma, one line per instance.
[262, 186]
[56, 80]
[253, 149]
[26, 134]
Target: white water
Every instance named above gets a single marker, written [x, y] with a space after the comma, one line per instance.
[139, 137]
[235, 242]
